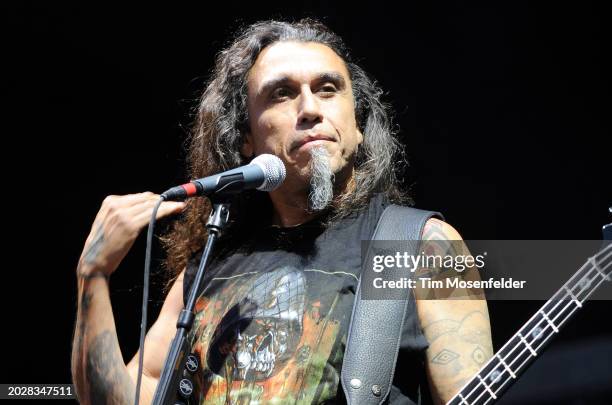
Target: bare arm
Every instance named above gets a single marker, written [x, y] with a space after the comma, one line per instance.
[157, 342]
[98, 370]
[458, 330]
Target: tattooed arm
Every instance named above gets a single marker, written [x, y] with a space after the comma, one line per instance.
[98, 370]
[458, 330]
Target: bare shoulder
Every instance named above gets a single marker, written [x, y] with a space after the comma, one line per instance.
[173, 303]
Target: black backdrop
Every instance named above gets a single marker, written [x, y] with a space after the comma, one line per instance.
[503, 109]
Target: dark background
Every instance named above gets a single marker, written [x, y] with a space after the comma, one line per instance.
[504, 110]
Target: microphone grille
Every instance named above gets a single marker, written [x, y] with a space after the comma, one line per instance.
[274, 171]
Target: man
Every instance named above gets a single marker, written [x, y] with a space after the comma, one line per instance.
[272, 318]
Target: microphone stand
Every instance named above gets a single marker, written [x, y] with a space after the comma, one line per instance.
[173, 380]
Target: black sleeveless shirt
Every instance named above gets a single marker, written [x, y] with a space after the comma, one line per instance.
[273, 313]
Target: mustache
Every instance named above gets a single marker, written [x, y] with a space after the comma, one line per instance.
[305, 138]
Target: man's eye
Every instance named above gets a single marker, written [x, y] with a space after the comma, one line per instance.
[280, 93]
[328, 89]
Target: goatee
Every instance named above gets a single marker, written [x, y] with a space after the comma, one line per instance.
[321, 180]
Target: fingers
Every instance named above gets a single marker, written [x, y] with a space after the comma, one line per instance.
[134, 217]
[125, 201]
[118, 223]
[167, 208]
[114, 203]
[131, 212]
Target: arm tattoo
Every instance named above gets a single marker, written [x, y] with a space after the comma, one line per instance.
[479, 356]
[91, 254]
[434, 231]
[97, 365]
[444, 357]
[462, 333]
[108, 381]
[95, 246]
[81, 325]
[435, 242]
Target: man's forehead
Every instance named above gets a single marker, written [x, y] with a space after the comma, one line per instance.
[297, 60]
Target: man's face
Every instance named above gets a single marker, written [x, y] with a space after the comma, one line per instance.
[300, 97]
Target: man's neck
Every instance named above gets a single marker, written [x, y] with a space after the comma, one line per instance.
[291, 206]
[291, 210]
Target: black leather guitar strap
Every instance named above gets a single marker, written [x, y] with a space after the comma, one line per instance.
[376, 325]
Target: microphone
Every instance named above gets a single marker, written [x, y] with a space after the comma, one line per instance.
[265, 172]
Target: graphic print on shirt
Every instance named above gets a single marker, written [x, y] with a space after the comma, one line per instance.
[263, 339]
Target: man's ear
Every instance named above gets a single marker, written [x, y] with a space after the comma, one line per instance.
[359, 137]
[247, 149]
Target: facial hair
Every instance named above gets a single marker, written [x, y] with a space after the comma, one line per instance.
[321, 180]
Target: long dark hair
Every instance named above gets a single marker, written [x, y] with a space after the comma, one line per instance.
[222, 120]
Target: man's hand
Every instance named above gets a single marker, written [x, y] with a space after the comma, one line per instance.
[117, 224]
[98, 369]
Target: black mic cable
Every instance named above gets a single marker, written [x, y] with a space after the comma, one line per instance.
[145, 296]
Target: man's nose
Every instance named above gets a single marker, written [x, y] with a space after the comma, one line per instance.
[309, 108]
